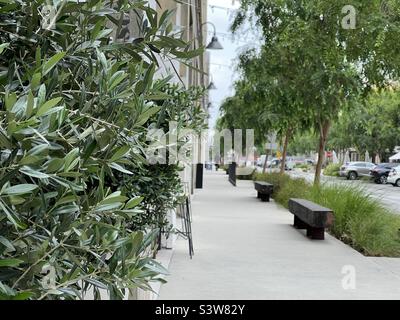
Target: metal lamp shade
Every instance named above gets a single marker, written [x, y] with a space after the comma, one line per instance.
[211, 86]
[214, 44]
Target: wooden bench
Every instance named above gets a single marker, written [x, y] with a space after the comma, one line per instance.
[244, 173]
[311, 216]
[264, 190]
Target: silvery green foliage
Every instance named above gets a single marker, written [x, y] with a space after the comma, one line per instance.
[73, 109]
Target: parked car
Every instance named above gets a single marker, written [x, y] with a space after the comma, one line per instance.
[272, 162]
[275, 163]
[261, 160]
[354, 170]
[381, 172]
[394, 176]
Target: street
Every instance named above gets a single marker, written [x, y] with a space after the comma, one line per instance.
[389, 195]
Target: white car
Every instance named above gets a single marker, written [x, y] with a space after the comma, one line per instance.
[394, 177]
[261, 160]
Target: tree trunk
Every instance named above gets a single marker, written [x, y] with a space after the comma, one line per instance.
[265, 162]
[323, 135]
[284, 153]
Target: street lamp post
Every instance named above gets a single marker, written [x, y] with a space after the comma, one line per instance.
[211, 85]
[213, 45]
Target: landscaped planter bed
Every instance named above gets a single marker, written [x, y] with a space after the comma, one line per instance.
[360, 220]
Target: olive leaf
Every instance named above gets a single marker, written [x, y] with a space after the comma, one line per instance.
[78, 201]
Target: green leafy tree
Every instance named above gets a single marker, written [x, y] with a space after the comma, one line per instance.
[274, 91]
[303, 143]
[244, 111]
[373, 126]
[332, 65]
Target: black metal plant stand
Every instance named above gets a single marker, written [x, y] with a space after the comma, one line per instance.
[186, 218]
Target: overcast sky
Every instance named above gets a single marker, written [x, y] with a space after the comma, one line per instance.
[222, 67]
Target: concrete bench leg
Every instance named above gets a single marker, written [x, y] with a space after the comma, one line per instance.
[316, 233]
[299, 224]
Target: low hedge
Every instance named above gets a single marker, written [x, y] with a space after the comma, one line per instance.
[360, 220]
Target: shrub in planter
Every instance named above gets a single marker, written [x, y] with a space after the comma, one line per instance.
[360, 220]
[160, 190]
[159, 185]
[292, 188]
[275, 178]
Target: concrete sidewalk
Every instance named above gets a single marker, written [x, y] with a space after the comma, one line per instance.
[247, 249]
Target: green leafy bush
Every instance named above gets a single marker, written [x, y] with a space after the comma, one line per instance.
[332, 170]
[276, 178]
[360, 220]
[293, 188]
[74, 112]
[159, 185]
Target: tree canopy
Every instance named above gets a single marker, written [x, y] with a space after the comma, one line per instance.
[311, 67]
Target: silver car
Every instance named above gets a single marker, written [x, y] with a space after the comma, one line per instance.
[354, 170]
[394, 177]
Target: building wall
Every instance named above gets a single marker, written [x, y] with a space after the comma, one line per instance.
[189, 18]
